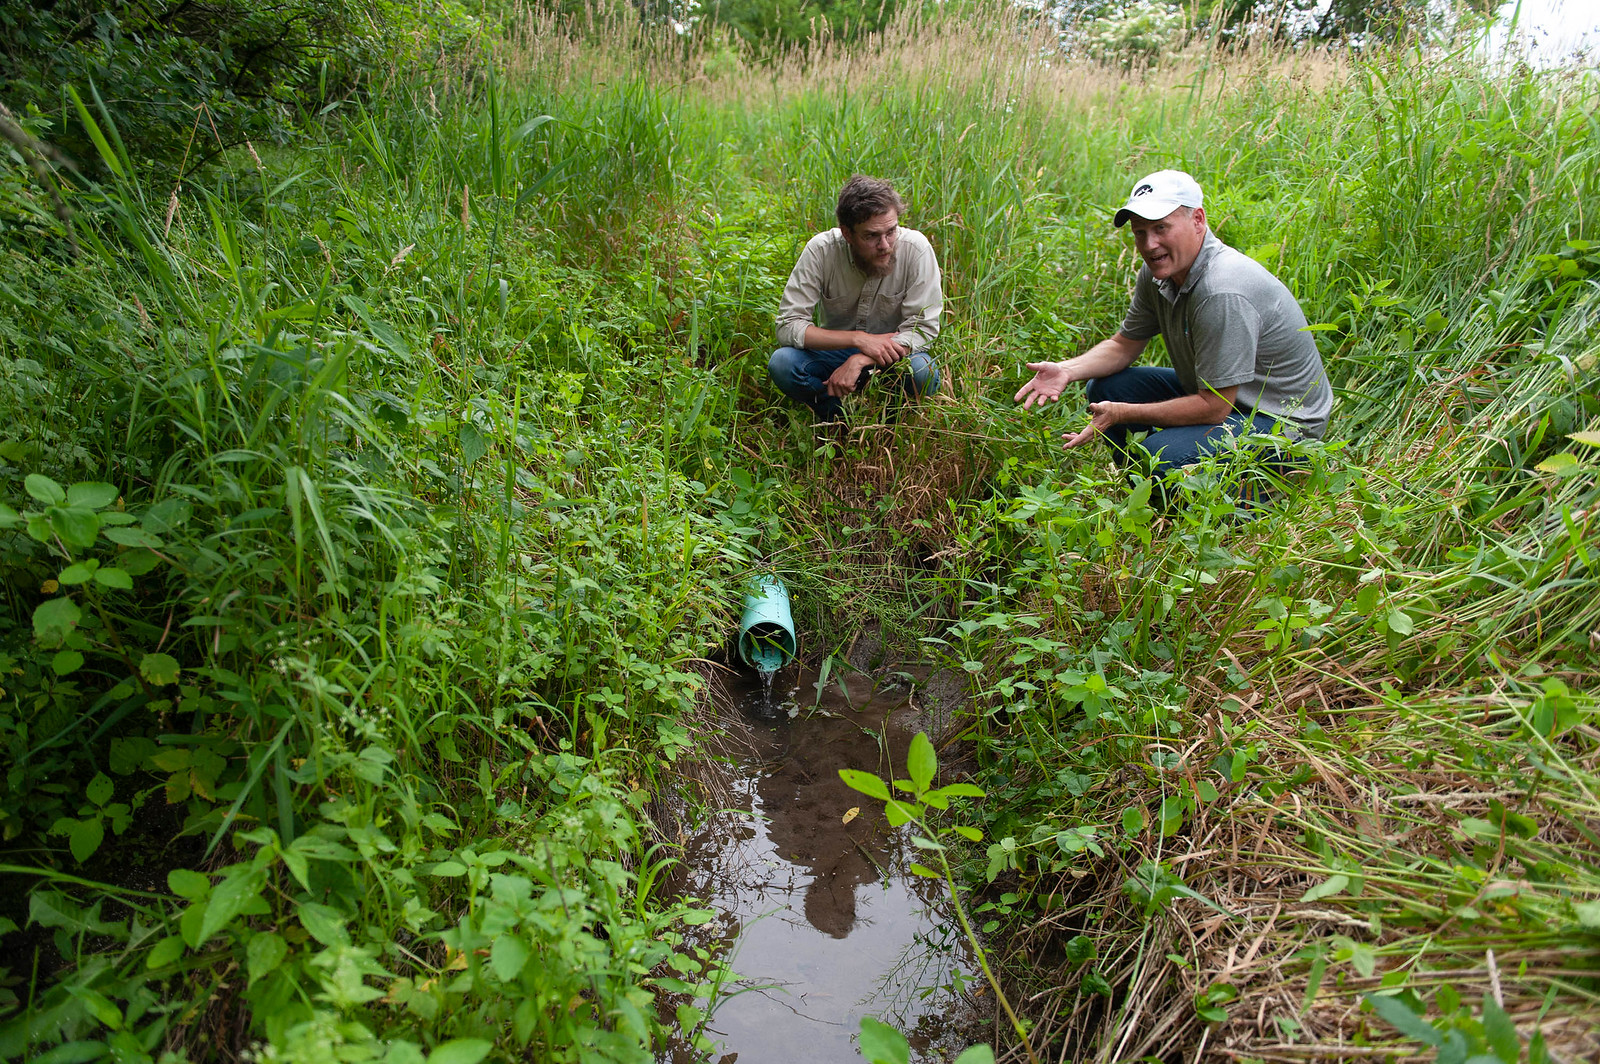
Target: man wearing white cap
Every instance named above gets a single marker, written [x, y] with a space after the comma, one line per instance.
[1242, 361]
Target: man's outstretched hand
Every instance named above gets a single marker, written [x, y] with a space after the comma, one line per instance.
[1049, 380]
[1102, 416]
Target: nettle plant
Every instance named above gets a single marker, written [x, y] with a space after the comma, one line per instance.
[95, 550]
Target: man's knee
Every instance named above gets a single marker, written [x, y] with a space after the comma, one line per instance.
[783, 366]
[924, 376]
[1095, 390]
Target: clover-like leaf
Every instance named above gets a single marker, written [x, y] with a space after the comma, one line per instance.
[54, 619]
[44, 489]
[76, 525]
[160, 669]
[91, 493]
[111, 576]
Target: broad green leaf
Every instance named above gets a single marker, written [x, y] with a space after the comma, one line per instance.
[866, 783]
[164, 952]
[66, 662]
[103, 1010]
[137, 562]
[449, 868]
[297, 865]
[78, 573]
[133, 537]
[76, 525]
[1400, 622]
[1402, 1019]
[969, 833]
[265, 952]
[1588, 913]
[91, 493]
[54, 619]
[1559, 463]
[325, 924]
[924, 871]
[507, 956]
[43, 489]
[9, 518]
[114, 577]
[188, 884]
[898, 812]
[882, 1044]
[100, 789]
[461, 1051]
[228, 899]
[473, 444]
[1133, 819]
[86, 837]
[1501, 1032]
[961, 790]
[921, 761]
[159, 669]
[1327, 888]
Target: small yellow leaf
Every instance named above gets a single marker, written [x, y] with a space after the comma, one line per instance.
[854, 812]
[1590, 438]
[455, 960]
[50, 587]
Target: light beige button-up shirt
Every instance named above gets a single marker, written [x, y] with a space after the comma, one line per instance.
[906, 302]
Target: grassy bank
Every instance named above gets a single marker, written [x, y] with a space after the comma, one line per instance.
[375, 502]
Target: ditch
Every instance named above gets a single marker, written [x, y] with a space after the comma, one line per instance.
[818, 913]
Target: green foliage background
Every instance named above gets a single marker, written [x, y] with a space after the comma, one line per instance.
[373, 501]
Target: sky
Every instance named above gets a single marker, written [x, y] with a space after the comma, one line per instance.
[1552, 30]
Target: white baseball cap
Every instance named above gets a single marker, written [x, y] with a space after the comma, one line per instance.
[1158, 195]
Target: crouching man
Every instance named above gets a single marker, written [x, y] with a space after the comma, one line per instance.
[877, 287]
[1242, 361]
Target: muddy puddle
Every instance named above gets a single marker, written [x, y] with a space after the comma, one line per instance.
[819, 915]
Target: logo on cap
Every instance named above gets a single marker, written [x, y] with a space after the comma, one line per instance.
[1142, 189]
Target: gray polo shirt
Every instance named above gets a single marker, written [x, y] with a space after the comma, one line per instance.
[1233, 323]
[906, 302]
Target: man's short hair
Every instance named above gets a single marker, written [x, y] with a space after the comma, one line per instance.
[863, 198]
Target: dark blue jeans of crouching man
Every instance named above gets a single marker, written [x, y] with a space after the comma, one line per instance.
[1184, 444]
[802, 374]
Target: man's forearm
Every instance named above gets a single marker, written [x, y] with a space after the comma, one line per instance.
[820, 339]
[1111, 355]
[1207, 408]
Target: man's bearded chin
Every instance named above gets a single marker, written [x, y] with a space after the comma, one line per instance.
[884, 268]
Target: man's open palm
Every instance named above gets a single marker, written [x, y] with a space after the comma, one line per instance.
[1049, 380]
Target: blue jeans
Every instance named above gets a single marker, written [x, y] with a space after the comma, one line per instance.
[802, 374]
[1172, 447]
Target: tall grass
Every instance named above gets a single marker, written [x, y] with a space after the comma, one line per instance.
[447, 440]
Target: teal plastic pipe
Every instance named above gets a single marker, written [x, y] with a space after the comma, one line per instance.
[766, 630]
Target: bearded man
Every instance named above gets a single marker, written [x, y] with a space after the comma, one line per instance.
[877, 287]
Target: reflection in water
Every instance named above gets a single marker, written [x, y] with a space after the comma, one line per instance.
[821, 919]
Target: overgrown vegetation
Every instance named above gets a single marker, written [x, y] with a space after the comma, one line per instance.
[373, 501]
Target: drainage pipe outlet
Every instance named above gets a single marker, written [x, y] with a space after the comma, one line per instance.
[766, 630]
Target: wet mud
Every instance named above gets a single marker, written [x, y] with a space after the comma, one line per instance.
[818, 913]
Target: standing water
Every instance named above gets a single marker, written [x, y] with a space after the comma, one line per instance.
[819, 916]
